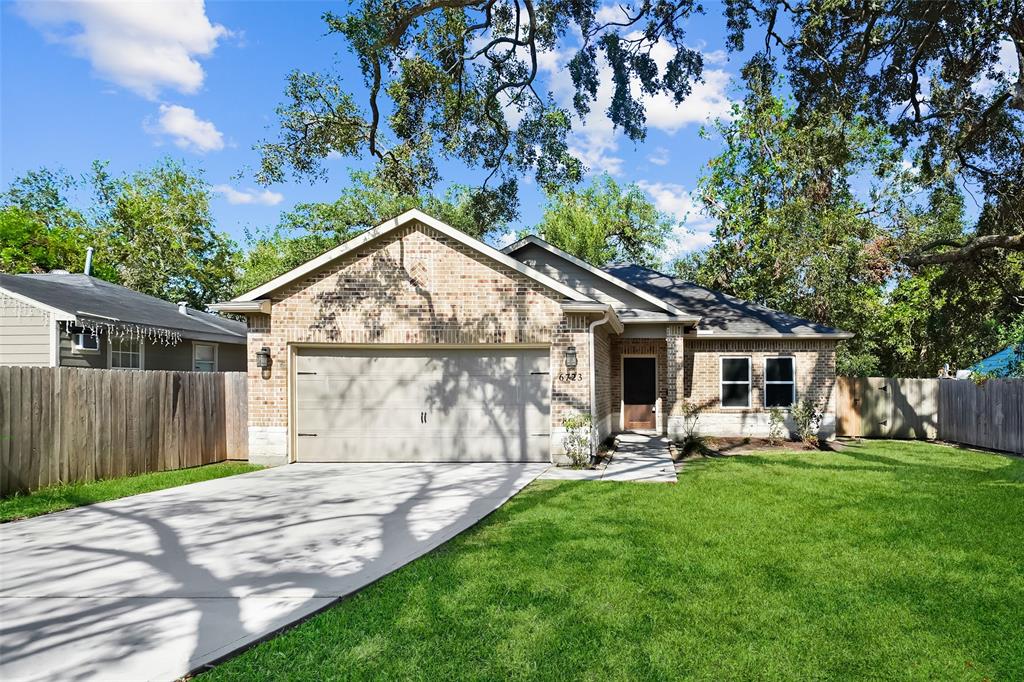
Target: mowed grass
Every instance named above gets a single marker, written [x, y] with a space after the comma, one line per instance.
[885, 561]
[57, 498]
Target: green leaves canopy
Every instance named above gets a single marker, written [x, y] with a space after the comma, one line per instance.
[457, 80]
[152, 231]
[605, 222]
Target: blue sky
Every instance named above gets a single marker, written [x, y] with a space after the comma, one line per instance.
[133, 82]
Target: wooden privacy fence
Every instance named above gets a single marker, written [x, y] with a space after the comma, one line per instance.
[990, 415]
[63, 425]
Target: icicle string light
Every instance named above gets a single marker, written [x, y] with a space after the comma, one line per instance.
[124, 331]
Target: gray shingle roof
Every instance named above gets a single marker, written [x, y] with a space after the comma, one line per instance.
[85, 296]
[720, 313]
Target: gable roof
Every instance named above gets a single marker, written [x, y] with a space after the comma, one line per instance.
[603, 274]
[77, 296]
[413, 215]
[722, 315]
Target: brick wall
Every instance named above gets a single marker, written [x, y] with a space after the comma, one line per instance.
[622, 347]
[700, 368]
[815, 370]
[413, 285]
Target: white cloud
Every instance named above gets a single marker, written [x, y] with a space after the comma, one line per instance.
[504, 239]
[717, 57]
[659, 157]
[249, 196]
[186, 129]
[1007, 65]
[142, 46]
[695, 229]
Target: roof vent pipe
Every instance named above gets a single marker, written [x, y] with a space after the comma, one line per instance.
[182, 308]
[88, 261]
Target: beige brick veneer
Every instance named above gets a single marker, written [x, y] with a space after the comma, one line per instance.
[414, 285]
[623, 347]
[700, 369]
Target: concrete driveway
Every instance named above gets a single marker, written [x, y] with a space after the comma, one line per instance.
[154, 586]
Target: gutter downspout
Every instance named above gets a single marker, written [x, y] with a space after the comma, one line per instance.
[593, 385]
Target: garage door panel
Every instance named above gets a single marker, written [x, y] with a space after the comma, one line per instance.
[416, 404]
[372, 392]
[435, 448]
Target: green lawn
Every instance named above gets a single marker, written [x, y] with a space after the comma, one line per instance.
[60, 497]
[887, 561]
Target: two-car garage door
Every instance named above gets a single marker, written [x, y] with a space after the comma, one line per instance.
[422, 404]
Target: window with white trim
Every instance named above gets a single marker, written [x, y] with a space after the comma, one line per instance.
[125, 353]
[204, 357]
[779, 382]
[735, 390]
[85, 342]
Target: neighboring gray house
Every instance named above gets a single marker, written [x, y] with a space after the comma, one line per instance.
[74, 320]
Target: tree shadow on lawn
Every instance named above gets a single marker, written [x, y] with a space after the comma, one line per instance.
[622, 586]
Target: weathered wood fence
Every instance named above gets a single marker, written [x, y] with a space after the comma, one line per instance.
[63, 425]
[990, 415]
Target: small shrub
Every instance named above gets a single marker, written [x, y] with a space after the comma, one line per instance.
[808, 419]
[692, 442]
[577, 439]
[775, 423]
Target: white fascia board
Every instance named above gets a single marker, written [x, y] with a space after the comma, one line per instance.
[674, 320]
[612, 279]
[838, 336]
[396, 222]
[594, 308]
[258, 306]
[57, 313]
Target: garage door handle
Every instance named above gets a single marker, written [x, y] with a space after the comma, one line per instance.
[423, 417]
[305, 373]
[313, 435]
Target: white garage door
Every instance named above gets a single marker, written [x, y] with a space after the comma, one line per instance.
[422, 405]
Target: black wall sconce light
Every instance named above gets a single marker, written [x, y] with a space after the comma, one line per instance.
[570, 358]
[571, 361]
[263, 360]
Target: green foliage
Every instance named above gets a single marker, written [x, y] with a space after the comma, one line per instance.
[152, 230]
[577, 439]
[807, 418]
[456, 81]
[925, 72]
[28, 245]
[605, 222]
[775, 424]
[70, 495]
[796, 235]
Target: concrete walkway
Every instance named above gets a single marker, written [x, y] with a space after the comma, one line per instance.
[154, 586]
[637, 457]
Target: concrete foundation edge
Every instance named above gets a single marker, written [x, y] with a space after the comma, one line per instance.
[745, 425]
[268, 445]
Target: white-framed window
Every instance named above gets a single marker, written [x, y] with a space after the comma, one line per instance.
[85, 343]
[204, 357]
[735, 384]
[125, 353]
[779, 381]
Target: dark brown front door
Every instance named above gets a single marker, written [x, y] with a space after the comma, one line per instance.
[639, 392]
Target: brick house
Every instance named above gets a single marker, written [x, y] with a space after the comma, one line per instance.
[416, 342]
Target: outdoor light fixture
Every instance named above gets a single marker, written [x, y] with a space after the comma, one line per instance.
[263, 358]
[570, 358]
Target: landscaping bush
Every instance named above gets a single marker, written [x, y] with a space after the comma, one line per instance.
[808, 419]
[775, 424]
[577, 439]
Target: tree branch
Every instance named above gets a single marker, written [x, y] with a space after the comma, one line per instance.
[963, 250]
